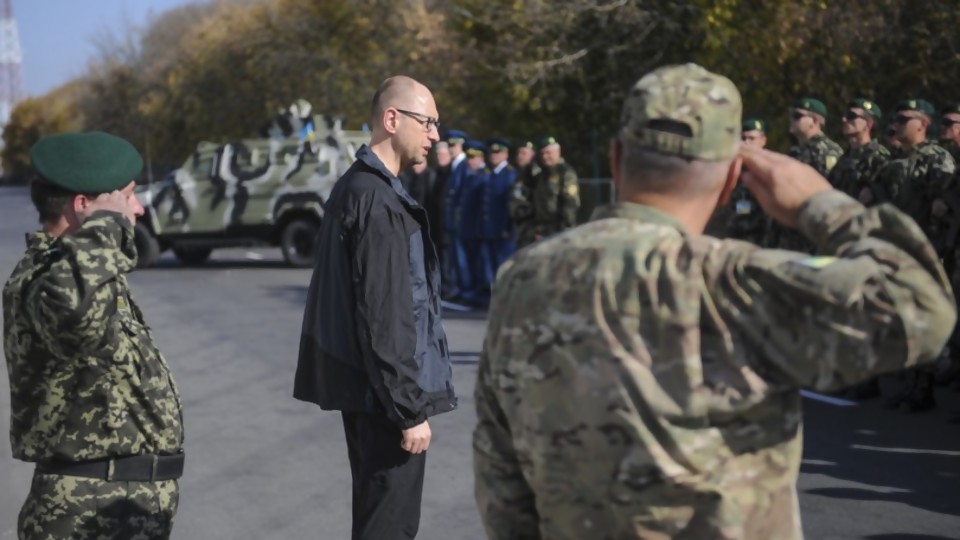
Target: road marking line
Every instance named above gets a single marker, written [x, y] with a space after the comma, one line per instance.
[949, 453]
[827, 399]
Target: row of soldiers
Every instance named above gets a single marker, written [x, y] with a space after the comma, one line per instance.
[917, 175]
[482, 208]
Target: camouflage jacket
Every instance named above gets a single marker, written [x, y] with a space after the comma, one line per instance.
[857, 167]
[913, 181]
[86, 378]
[555, 199]
[746, 220]
[520, 205]
[819, 152]
[637, 381]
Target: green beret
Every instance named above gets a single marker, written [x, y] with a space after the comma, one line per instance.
[754, 124]
[528, 144]
[813, 105]
[92, 163]
[919, 105]
[872, 108]
[547, 141]
[951, 108]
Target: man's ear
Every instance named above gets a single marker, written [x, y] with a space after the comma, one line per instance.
[733, 176]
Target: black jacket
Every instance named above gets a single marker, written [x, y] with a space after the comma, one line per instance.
[372, 339]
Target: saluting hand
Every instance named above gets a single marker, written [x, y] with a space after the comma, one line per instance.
[780, 183]
[115, 201]
[417, 439]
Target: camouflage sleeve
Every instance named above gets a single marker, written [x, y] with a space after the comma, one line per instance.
[70, 303]
[519, 203]
[505, 500]
[942, 173]
[878, 301]
[569, 199]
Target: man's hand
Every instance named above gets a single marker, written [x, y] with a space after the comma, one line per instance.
[780, 183]
[416, 440]
[115, 201]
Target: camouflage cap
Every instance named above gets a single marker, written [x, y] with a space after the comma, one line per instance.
[919, 105]
[870, 107]
[684, 110]
[813, 105]
[754, 124]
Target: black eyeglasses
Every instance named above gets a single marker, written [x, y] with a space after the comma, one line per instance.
[428, 122]
[796, 115]
[946, 122]
[903, 119]
[852, 115]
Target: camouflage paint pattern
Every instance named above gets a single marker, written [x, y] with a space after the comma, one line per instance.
[521, 207]
[251, 182]
[637, 381]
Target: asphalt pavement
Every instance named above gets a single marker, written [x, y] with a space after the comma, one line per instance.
[261, 465]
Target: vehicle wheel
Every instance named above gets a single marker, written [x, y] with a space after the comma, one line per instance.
[192, 256]
[148, 249]
[298, 242]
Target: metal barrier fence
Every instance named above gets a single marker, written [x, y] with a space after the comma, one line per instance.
[594, 192]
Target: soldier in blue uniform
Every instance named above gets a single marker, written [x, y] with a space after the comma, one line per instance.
[499, 227]
[455, 270]
[473, 188]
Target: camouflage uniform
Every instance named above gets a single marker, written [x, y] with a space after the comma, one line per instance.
[639, 381]
[822, 154]
[520, 206]
[554, 199]
[746, 220]
[858, 167]
[87, 382]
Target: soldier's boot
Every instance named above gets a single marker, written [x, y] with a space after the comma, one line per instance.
[920, 398]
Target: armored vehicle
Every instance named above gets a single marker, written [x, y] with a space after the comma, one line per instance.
[265, 191]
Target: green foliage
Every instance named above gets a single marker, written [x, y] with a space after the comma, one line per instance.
[518, 68]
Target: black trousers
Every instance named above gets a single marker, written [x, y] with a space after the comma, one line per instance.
[387, 480]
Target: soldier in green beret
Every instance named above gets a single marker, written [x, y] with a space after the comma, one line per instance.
[554, 194]
[92, 400]
[808, 119]
[922, 183]
[520, 203]
[950, 139]
[746, 219]
[864, 156]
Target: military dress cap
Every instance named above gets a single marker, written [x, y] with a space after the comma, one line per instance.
[919, 105]
[499, 144]
[684, 110]
[549, 140]
[474, 148]
[94, 162]
[754, 124]
[810, 104]
[872, 108]
[455, 136]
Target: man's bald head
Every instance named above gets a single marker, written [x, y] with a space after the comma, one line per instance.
[399, 92]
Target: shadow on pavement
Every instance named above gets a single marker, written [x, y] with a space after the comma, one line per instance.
[910, 459]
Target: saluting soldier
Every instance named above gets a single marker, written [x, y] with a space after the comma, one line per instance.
[92, 400]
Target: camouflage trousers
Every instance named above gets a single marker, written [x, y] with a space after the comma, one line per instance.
[68, 507]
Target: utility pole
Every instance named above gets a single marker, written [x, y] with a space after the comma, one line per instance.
[11, 59]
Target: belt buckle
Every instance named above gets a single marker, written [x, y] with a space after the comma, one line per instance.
[155, 459]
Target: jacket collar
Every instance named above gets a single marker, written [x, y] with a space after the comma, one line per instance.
[39, 241]
[637, 212]
[368, 158]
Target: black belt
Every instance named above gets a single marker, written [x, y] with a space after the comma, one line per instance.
[144, 468]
